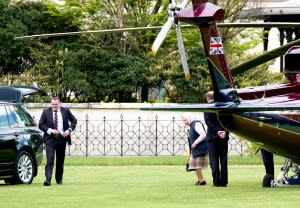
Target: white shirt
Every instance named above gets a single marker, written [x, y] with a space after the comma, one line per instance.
[59, 123]
[199, 129]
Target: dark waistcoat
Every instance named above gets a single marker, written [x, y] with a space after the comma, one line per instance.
[202, 148]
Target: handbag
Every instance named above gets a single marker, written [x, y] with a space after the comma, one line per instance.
[187, 165]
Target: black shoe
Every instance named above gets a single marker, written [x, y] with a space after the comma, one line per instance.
[47, 183]
[202, 183]
[59, 183]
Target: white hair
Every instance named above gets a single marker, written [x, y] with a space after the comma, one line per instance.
[189, 116]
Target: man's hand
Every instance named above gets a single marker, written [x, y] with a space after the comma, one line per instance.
[66, 133]
[55, 132]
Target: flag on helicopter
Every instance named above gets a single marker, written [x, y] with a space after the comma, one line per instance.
[216, 46]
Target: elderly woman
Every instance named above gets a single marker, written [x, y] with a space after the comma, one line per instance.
[198, 146]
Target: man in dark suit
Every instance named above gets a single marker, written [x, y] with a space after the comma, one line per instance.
[217, 146]
[54, 122]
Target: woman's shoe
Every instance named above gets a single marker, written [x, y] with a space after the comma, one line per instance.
[200, 183]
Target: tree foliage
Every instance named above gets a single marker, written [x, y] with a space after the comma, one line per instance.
[14, 56]
[90, 73]
[27, 18]
[110, 67]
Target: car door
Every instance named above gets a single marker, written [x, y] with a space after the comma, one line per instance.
[29, 133]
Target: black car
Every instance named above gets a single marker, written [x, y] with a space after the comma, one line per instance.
[21, 146]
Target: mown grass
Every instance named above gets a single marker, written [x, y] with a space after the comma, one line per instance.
[147, 186]
[177, 160]
[148, 182]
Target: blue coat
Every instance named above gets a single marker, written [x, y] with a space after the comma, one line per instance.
[202, 148]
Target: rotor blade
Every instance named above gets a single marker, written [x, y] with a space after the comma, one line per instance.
[182, 53]
[260, 24]
[267, 56]
[229, 107]
[162, 35]
[91, 31]
[183, 4]
[242, 25]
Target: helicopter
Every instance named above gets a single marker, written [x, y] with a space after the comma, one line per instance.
[268, 116]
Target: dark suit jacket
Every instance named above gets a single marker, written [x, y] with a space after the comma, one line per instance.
[213, 126]
[47, 118]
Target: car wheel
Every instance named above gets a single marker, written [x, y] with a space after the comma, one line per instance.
[267, 180]
[24, 168]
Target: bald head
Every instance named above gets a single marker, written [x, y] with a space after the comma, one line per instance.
[210, 97]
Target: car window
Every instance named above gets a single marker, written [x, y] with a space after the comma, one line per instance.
[12, 118]
[22, 117]
[3, 117]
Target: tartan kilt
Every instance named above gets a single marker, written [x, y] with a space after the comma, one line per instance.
[200, 162]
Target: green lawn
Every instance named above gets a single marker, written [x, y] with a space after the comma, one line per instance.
[176, 160]
[87, 186]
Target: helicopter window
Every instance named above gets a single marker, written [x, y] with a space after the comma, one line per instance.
[292, 63]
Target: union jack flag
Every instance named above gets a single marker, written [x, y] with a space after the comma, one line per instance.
[216, 46]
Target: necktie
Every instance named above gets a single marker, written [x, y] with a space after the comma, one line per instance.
[55, 120]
